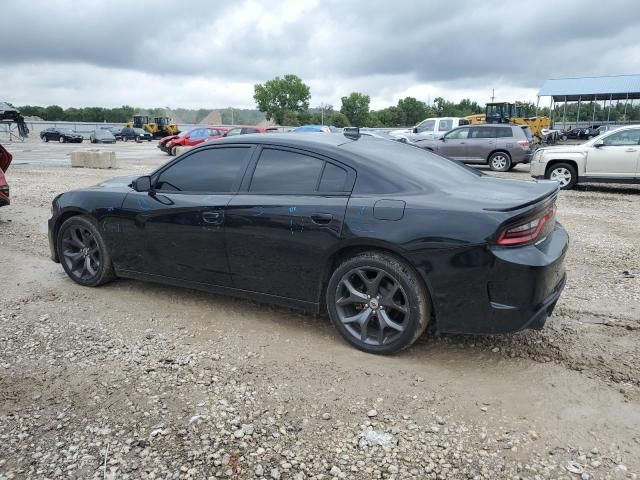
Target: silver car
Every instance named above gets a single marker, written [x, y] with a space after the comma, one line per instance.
[500, 146]
[102, 135]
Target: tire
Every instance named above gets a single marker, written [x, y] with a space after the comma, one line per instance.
[83, 253]
[499, 162]
[45, 139]
[174, 151]
[125, 139]
[400, 300]
[563, 173]
[563, 138]
[62, 139]
[138, 139]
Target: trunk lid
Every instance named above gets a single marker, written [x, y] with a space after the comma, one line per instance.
[5, 159]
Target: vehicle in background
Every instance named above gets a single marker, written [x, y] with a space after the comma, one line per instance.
[312, 128]
[613, 157]
[5, 161]
[519, 113]
[500, 146]
[432, 128]
[158, 128]
[387, 238]
[191, 138]
[102, 135]
[115, 131]
[585, 133]
[378, 134]
[61, 135]
[137, 134]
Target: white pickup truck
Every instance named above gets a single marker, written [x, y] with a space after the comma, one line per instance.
[431, 128]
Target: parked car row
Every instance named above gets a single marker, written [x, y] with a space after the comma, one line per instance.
[198, 135]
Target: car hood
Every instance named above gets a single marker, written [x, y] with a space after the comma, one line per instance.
[580, 148]
[5, 159]
[116, 183]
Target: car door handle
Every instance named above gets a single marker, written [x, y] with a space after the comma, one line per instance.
[212, 217]
[631, 150]
[321, 218]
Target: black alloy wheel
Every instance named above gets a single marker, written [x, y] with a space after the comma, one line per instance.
[377, 303]
[83, 253]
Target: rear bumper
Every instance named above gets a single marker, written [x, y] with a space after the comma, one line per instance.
[490, 290]
[4, 200]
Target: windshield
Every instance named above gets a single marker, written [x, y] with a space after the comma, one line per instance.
[139, 131]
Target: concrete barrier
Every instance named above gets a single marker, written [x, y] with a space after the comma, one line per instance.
[180, 150]
[94, 159]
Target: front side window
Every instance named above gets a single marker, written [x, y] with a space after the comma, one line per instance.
[212, 170]
[280, 171]
[234, 131]
[623, 138]
[458, 134]
[426, 126]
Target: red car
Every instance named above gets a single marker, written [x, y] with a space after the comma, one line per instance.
[190, 138]
[5, 161]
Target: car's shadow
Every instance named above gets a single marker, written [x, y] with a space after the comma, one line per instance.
[613, 188]
[291, 322]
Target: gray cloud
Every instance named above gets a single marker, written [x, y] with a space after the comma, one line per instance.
[382, 48]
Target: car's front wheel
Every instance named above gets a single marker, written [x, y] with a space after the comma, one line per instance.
[125, 139]
[45, 139]
[62, 139]
[83, 253]
[563, 173]
[499, 162]
[377, 303]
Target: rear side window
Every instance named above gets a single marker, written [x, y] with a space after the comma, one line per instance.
[483, 132]
[280, 171]
[427, 125]
[445, 125]
[504, 132]
[334, 179]
[214, 170]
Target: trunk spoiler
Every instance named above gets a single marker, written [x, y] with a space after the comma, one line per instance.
[549, 195]
[5, 159]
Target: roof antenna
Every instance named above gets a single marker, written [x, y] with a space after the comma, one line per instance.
[352, 132]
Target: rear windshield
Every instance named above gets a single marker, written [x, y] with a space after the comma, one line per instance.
[406, 168]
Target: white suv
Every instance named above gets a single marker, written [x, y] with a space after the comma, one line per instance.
[613, 157]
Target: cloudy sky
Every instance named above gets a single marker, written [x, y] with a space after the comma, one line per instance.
[206, 54]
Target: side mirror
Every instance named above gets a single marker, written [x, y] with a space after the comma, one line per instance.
[441, 138]
[142, 184]
[599, 144]
[414, 129]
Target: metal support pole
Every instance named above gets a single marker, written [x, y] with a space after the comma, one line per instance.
[593, 117]
[625, 106]
[610, 102]
[551, 111]
[537, 105]
[578, 114]
[564, 114]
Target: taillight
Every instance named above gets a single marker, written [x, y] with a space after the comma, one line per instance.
[530, 230]
[523, 143]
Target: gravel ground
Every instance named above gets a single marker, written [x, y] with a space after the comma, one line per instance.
[136, 380]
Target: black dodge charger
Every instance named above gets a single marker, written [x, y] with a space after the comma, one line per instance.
[387, 238]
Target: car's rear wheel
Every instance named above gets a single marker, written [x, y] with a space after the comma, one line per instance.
[125, 139]
[45, 139]
[377, 303]
[61, 139]
[563, 173]
[499, 162]
[173, 151]
[83, 253]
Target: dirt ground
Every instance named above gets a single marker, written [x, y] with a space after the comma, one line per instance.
[137, 380]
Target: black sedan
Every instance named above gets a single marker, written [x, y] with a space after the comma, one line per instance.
[137, 134]
[385, 237]
[61, 135]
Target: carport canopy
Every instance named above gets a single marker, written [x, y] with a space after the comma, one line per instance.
[586, 89]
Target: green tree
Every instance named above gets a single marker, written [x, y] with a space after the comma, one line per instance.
[356, 108]
[279, 97]
[412, 110]
[338, 119]
[54, 112]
